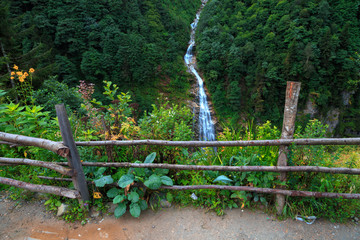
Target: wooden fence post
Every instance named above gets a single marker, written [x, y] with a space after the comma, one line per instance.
[74, 157]
[291, 101]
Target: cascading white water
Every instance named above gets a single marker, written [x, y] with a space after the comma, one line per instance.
[206, 126]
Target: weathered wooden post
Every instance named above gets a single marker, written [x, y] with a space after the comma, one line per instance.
[74, 157]
[291, 101]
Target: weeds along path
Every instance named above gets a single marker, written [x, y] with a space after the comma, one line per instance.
[30, 221]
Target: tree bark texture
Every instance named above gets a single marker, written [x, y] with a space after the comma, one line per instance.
[268, 190]
[277, 142]
[60, 191]
[290, 110]
[244, 188]
[55, 147]
[74, 157]
[24, 161]
[354, 171]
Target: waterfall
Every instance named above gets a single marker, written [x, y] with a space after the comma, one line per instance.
[206, 126]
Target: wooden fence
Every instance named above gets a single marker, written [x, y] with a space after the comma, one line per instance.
[74, 167]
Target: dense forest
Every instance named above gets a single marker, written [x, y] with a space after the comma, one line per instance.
[249, 49]
[134, 44]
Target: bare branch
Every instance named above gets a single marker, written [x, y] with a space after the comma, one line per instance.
[277, 142]
[249, 189]
[60, 191]
[55, 147]
[268, 190]
[25, 161]
[226, 168]
[11, 144]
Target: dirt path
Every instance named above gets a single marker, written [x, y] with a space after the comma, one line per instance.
[30, 221]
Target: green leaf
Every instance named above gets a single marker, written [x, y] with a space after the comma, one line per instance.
[251, 178]
[58, 203]
[169, 197]
[185, 152]
[139, 172]
[150, 158]
[113, 192]
[118, 199]
[100, 171]
[166, 181]
[223, 179]
[126, 180]
[104, 180]
[5, 119]
[135, 210]
[154, 182]
[133, 197]
[120, 210]
[143, 204]
[263, 200]
[160, 171]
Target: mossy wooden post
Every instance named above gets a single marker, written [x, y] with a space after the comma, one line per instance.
[291, 101]
[74, 157]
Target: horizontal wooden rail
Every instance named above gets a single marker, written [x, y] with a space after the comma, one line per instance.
[49, 165]
[248, 189]
[60, 191]
[11, 144]
[268, 190]
[278, 142]
[56, 147]
[226, 168]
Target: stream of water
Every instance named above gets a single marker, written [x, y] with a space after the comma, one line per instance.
[206, 126]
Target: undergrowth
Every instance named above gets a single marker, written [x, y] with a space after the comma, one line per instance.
[134, 190]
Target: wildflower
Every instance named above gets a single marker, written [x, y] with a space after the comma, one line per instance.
[19, 73]
[31, 70]
[12, 73]
[11, 77]
[26, 74]
[21, 79]
[15, 67]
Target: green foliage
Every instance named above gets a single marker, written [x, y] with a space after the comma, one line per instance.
[334, 209]
[53, 92]
[135, 186]
[52, 203]
[249, 49]
[170, 123]
[134, 45]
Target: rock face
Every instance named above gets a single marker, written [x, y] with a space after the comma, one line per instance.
[332, 117]
[194, 105]
[310, 107]
[94, 213]
[62, 209]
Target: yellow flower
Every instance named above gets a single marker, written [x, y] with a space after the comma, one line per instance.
[31, 70]
[26, 74]
[19, 73]
[11, 77]
[21, 79]
[15, 67]
[12, 73]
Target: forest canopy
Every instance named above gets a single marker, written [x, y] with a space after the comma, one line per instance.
[249, 49]
[131, 43]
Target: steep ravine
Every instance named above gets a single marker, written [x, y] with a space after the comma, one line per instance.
[204, 120]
